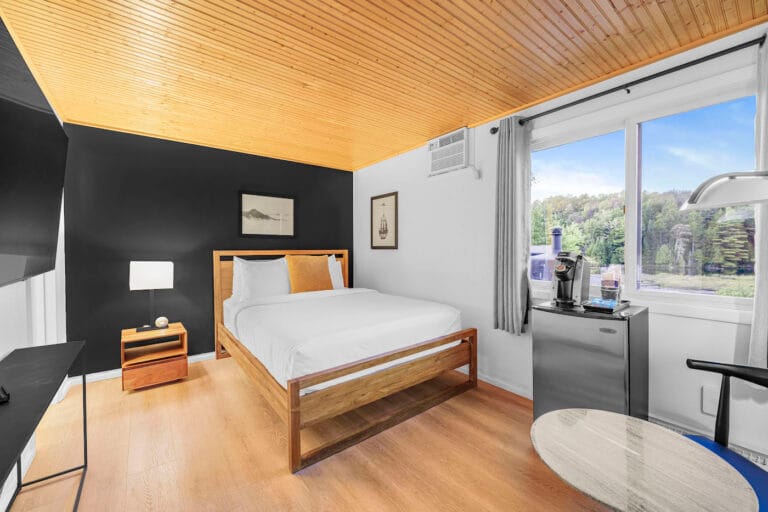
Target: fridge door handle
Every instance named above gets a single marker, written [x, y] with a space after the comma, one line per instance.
[607, 330]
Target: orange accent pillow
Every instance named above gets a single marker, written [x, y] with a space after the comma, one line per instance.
[308, 273]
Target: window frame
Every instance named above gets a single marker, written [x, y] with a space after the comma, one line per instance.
[543, 289]
[715, 88]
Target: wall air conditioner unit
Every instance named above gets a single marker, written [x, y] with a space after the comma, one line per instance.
[449, 152]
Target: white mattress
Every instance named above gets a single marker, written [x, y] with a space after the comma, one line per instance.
[302, 333]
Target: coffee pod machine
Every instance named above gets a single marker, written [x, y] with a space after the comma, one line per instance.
[570, 281]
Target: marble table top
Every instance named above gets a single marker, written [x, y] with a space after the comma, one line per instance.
[633, 465]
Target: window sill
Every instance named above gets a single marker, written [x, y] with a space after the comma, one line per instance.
[719, 309]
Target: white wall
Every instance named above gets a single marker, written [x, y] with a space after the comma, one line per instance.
[29, 313]
[59, 295]
[446, 253]
[446, 234]
[13, 318]
[675, 391]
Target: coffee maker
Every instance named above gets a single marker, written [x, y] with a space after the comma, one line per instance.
[570, 282]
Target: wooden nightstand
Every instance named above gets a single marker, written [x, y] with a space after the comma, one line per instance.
[153, 359]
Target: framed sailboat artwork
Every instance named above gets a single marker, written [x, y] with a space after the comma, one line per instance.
[384, 221]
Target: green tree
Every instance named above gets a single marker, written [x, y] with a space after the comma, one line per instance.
[734, 246]
[664, 256]
[538, 223]
[573, 238]
[594, 226]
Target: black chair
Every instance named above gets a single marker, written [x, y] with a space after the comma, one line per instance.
[756, 477]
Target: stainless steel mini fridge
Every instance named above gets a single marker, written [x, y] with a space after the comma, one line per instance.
[590, 360]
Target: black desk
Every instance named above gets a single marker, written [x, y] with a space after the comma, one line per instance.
[32, 376]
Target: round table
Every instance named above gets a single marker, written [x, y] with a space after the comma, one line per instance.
[631, 464]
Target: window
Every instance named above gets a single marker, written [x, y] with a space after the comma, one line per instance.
[580, 187]
[577, 195]
[707, 251]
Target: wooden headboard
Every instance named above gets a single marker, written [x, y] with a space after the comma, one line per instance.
[222, 273]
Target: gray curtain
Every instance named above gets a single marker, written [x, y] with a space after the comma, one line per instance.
[758, 341]
[513, 202]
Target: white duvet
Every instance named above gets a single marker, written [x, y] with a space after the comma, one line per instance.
[298, 334]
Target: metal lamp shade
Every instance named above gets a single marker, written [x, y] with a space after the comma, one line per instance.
[730, 189]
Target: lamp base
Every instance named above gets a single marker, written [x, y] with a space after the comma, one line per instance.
[145, 328]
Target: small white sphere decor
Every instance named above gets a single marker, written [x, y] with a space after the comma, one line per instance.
[161, 322]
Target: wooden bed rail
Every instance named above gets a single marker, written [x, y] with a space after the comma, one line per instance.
[312, 408]
[347, 369]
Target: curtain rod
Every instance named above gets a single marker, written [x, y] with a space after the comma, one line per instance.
[626, 87]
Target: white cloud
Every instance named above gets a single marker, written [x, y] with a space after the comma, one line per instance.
[563, 179]
[711, 160]
[691, 156]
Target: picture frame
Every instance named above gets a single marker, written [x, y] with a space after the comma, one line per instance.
[264, 215]
[384, 226]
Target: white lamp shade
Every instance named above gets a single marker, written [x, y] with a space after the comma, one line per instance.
[151, 275]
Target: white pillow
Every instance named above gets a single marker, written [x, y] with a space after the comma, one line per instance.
[337, 276]
[253, 279]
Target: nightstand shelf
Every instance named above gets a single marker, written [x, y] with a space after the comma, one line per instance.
[153, 352]
[156, 360]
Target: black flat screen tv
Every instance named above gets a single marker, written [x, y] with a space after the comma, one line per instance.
[33, 153]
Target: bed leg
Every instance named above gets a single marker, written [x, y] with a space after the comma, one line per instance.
[473, 358]
[216, 345]
[294, 427]
[221, 351]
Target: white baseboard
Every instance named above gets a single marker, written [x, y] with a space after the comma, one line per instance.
[512, 388]
[74, 380]
[202, 357]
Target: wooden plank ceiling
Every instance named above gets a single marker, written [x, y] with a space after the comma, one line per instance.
[338, 83]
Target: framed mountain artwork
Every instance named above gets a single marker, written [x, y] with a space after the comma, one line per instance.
[266, 215]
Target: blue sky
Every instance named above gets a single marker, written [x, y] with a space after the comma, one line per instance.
[678, 152]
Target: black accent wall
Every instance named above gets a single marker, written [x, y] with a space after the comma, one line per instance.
[128, 197]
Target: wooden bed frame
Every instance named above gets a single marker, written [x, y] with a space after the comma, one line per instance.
[302, 411]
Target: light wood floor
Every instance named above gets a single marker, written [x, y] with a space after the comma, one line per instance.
[212, 443]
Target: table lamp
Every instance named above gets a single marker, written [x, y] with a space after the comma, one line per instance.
[151, 275]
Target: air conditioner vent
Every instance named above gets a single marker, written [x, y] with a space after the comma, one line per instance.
[448, 153]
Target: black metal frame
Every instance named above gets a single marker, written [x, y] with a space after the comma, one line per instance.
[751, 374]
[83, 466]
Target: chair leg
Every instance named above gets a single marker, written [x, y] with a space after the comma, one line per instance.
[723, 412]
